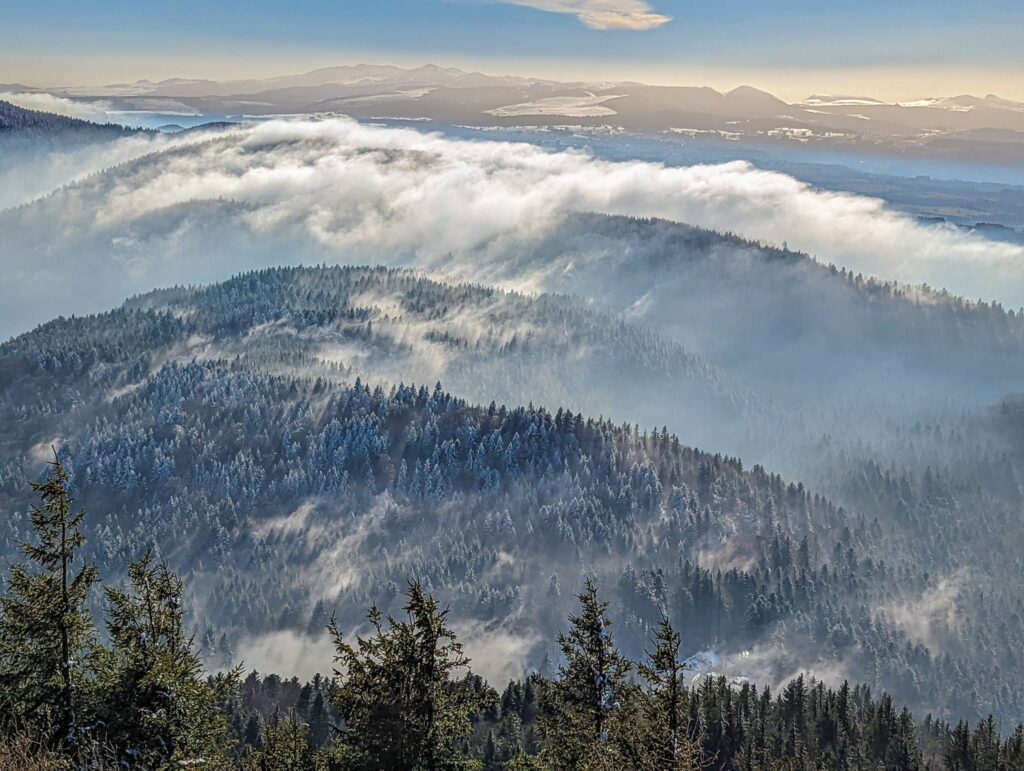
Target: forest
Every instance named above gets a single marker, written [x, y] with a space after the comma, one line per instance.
[403, 694]
[248, 432]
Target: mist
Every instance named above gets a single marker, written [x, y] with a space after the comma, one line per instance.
[284, 192]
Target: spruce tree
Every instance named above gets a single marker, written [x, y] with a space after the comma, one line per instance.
[158, 706]
[584, 711]
[664, 741]
[284, 746]
[46, 633]
[401, 706]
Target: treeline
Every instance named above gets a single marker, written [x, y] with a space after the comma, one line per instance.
[22, 123]
[403, 695]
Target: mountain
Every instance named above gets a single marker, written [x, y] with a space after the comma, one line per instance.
[248, 430]
[227, 422]
[448, 95]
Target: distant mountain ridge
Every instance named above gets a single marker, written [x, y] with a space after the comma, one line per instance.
[452, 96]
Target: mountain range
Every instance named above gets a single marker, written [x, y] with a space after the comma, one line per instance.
[982, 128]
[804, 468]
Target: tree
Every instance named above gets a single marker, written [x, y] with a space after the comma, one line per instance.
[284, 746]
[46, 634]
[664, 742]
[401, 706]
[589, 698]
[158, 707]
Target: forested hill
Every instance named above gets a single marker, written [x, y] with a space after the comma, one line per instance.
[241, 430]
[484, 344]
[20, 123]
[783, 322]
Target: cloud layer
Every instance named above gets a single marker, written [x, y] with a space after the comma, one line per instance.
[633, 15]
[285, 192]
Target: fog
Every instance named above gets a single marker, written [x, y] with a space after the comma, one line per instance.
[336, 190]
[762, 352]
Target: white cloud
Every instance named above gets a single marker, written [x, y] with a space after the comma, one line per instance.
[338, 191]
[97, 112]
[288, 651]
[603, 14]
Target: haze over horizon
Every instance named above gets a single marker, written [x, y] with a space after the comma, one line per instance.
[916, 50]
[785, 85]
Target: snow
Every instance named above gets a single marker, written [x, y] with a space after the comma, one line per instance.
[589, 106]
[828, 100]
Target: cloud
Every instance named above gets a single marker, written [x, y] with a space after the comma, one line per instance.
[96, 111]
[284, 192]
[934, 616]
[28, 175]
[287, 651]
[498, 653]
[633, 15]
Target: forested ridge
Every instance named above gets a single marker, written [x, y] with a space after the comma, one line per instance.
[402, 694]
[21, 128]
[228, 425]
[257, 435]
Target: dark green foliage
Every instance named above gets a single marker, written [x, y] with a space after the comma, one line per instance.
[285, 746]
[664, 740]
[586, 717]
[18, 122]
[401, 705]
[157, 707]
[46, 633]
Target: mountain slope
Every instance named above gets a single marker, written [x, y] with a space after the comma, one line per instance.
[213, 423]
[20, 123]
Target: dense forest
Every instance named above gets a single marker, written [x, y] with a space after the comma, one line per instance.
[258, 434]
[31, 126]
[402, 695]
[348, 517]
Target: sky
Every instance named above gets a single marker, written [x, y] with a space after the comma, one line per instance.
[897, 50]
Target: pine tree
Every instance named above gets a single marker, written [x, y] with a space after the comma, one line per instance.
[319, 721]
[46, 634]
[591, 693]
[158, 707]
[401, 706]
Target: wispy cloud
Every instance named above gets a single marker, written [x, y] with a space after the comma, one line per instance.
[96, 111]
[603, 14]
[339, 191]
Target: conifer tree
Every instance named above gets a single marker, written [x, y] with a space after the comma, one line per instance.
[46, 633]
[583, 713]
[401, 706]
[284, 746]
[664, 742]
[158, 707]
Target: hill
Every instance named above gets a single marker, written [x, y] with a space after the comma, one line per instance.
[232, 427]
[20, 123]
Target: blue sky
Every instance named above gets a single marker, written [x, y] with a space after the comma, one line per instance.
[905, 47]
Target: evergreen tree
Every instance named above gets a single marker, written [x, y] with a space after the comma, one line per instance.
[401, 706]
[319, 721]
[583, 717]
[157, 706]
[664, 741]
[285, 747]
[46, 634]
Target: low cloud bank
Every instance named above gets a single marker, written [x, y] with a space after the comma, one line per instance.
[96, 111]
[337, 191]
